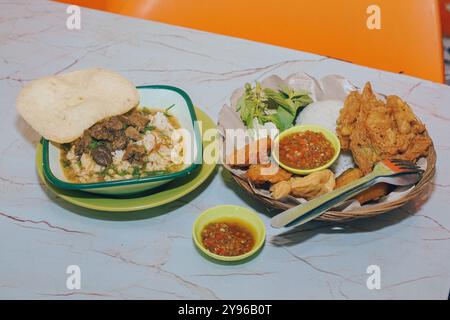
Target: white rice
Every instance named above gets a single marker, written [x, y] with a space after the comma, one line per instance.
[117, 156]
[149, 141]
[161, 122]
[323, 113]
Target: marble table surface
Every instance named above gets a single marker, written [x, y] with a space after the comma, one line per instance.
[150, 254]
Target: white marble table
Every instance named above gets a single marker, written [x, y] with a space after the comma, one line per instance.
[150, 254]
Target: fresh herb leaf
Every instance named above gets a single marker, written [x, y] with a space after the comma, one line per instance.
[146, 110]
[166, 111]
[122, 173]
[149, 128]
[104, 172]
[136, 172]
[94, 144]
[66, 146]
[282, 119]
[66, 163]
[267, 105]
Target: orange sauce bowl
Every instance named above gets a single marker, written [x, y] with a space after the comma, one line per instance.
[235, 213]
[330, 136]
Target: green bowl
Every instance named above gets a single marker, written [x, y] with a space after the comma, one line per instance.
[226, 212]
[302, 128]
[156, 96]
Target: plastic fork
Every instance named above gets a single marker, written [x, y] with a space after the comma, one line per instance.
[395, 172]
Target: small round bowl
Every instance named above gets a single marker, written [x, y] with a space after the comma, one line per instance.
[310, 127]
[226, 212]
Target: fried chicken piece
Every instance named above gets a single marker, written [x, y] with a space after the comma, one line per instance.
[373, 193]
[417, 148]
[347, 119]
[268, 172]
[308, 187]
[255, 152]
[374, 130]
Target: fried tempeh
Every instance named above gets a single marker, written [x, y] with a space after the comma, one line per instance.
[373, 193]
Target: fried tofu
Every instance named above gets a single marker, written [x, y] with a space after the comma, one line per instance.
[308, 187]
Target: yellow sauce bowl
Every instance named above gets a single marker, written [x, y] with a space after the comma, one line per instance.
[224, 212]
[334, 140]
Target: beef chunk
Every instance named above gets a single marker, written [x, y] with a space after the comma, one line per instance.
[132, 133]
[82, 143]
[120, 141]
[123, 118]
[137, 120]
[106, 129]
[114, 123]
[134, 154]
[102, 155]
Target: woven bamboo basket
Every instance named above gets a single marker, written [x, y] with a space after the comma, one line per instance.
[363, 212]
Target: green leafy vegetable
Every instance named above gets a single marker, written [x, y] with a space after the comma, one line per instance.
[66, 163]
[122, 173]
[149, 127]
[66, 146]
[166, 112]
[267, 105]
[94, 144]
[136, 172]
[146, 110]
[104, 172]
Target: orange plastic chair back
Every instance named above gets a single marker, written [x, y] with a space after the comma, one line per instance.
[445, 16]
[408, 41]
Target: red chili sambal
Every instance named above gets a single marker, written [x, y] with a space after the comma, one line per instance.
[305, 150]
[228, 238]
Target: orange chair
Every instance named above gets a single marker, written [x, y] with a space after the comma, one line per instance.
[409, 40]
[445, 16]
